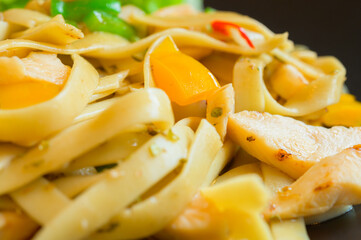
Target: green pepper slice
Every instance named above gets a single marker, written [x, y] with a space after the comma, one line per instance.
[77, 10]
[7, 4]
[105, 22]
[150, 6]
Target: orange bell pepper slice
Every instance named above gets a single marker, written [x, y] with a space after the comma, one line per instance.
[31, 80]
[183, 78]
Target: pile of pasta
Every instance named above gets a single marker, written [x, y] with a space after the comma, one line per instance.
[92, 148]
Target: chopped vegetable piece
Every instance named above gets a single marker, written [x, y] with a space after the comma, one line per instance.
[98, 15]
[209, 10]
[77, 10]
[153, 130]
[21, 95]
[223, 27]
[31, 80]
[150, 6]
[172, 136]
[241, 200]
[155, 150]
[105, 22]
[217, 112]
[183, 78]
[105, 167]
[109, 227]
[7, 4]
[345, 113]
[44, 145]
[147, 6]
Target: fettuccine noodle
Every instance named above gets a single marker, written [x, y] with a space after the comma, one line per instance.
[128, 149]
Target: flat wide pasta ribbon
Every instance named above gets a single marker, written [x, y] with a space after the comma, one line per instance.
[105, 45]
[26, 126]
[141, 107]
[251, 92]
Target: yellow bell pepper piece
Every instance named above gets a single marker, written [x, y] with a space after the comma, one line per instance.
[183, 78]
[241, 200]
[230, 209]
[245, 192]
[347, 112]
[21, 95]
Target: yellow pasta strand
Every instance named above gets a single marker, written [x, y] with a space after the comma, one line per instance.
[97, 205]
[153, 107]
[41, 200]
[154, 213]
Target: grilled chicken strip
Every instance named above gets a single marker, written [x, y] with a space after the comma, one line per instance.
[334, 181]
[288, 144]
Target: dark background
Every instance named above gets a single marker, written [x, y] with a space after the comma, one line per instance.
[329, 27]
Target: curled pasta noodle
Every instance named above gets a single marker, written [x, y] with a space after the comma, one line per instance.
[55, 31]
[201, 20]
[140, 220]
[31, 198]
[110, 46]
[328, 88]
[39, 161]
[96, 211]
[145, 136]
[29, 125]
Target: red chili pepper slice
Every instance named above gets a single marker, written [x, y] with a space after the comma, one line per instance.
[223, 27]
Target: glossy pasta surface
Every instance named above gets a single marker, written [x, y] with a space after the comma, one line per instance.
[168, 121]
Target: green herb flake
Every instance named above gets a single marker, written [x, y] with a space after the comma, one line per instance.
[37, 163]
[21, 154]
[105, 167]
[171, 136]
[137, 58]
[183, 161]
[138, 199]
[44, 145]
[152, 130]
[275, 218]
[209, 10]
[155, 150]
[109, 227]
[209, 28]
[34, 164]
[217, 112]
[278, 58]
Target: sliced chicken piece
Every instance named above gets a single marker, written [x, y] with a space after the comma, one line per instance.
[287, 81]
[45, 67]
[37, 66]
[288, 144]
[334, 181]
